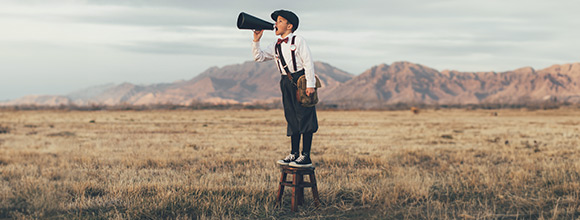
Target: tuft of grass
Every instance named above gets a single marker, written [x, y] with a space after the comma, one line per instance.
[4, 130]
[61, 134]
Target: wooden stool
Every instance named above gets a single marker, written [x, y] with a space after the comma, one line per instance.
[297, 185]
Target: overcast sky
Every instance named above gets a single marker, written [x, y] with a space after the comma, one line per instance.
[58, 46]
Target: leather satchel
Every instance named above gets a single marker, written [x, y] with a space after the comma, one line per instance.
[303, 99]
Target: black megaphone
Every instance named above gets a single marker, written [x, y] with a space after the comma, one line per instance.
[246, 21]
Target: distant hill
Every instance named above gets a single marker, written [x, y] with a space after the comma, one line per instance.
[249, 82]
[405, 82]
[400, 82]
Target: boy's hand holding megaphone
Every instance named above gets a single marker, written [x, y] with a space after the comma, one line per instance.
[258, 35]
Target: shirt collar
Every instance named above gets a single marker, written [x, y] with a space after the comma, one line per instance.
[289, 37]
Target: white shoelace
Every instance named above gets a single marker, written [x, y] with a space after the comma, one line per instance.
[300, 159]
[290, 157]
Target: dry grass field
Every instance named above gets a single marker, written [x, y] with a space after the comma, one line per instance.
[438, 164]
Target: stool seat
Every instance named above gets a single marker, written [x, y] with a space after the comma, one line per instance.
[298, 184]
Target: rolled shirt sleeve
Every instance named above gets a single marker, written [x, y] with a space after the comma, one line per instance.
[262, 55]
[307, 63]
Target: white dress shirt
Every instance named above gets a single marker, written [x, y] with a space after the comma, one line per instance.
[303, 58]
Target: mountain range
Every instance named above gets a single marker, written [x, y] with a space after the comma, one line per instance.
[400, 82]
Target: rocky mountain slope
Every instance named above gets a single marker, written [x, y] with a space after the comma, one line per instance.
[400, 82]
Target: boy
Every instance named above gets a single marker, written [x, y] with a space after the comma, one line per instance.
[293, 59]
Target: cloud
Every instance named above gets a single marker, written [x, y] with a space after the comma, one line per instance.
[157, 16]
[467, 35]
[181, 48]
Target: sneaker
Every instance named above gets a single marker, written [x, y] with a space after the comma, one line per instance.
[290, 158]
[302, 161]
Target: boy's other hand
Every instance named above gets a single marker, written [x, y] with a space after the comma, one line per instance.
[258, 35]
[309, 91]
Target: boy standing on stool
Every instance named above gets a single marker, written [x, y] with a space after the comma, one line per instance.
[293, 59]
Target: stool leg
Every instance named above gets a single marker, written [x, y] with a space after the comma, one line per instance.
[281, 189]
[300, 189]
[294, 185]
[314, 189]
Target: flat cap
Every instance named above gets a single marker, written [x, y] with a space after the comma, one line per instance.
[288, 15]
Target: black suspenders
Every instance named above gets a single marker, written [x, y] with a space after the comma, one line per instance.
[278, 51]
[293, 50]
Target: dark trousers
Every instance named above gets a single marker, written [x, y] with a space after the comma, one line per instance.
[301, 120]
